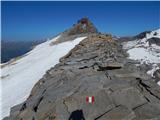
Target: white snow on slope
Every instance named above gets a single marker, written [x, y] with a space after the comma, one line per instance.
[140, 50]
[143, 42]
[20, 77]
[144, 55]
[150, 35]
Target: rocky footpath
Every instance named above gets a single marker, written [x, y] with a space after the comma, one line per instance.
[97, 67]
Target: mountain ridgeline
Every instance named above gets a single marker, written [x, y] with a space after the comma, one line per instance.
[98, 66]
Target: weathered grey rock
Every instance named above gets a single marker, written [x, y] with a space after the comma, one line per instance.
[129, 97]
[91, 111]
[96, 67]
[109, 65]
[118, 113]
[148, 112]
[156, 74]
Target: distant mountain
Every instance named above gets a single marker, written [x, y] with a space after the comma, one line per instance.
[145, 48]
[12, 49]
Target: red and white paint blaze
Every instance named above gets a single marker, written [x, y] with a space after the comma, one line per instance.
[90, 99]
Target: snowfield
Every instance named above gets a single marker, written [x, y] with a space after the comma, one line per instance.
[18, 78]
[144, 55]
[139, 49]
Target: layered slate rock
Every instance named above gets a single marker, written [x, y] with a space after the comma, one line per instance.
[96, 67]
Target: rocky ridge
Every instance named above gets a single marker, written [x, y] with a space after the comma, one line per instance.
[97, 66]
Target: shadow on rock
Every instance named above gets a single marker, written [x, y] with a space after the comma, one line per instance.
[77, 115]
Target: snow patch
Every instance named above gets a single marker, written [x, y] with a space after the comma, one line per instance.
[143, 55]
[18, 79]
[130, 44]
[141, 50]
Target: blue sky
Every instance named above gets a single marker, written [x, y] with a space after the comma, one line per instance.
[40, 20]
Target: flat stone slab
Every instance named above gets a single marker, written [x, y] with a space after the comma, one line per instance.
[129, 97]
[118, 113]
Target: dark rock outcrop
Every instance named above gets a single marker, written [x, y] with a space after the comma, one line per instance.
[83, 25]
[96, 67]
[156, 74]
[141, 35]
[154, 40]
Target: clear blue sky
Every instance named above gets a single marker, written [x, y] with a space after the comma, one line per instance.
[39, 20]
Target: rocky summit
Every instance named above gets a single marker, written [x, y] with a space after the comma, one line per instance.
[98, 67]
[83, 25]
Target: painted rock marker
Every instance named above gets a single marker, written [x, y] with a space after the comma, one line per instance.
[90, 99]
